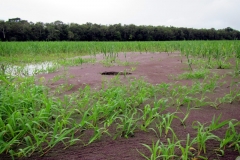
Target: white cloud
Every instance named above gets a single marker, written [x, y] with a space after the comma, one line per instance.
[185, 13]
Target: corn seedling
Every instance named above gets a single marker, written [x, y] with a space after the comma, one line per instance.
[216, 124]
[202, 136]
[168, 150]
[183, 121]
[186, 150]
[98, 132]
[128, 124]
[167, 121]
[149, 114]
[232, 141]
[154, 150]
[195, 74]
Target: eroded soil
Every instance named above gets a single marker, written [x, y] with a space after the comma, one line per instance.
[156, 68]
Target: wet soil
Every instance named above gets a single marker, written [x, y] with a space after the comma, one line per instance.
[155, 68]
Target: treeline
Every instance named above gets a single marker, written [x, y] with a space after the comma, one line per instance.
[59, 31]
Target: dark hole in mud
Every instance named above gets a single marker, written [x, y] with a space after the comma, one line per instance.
[115, 73]
[220, 67]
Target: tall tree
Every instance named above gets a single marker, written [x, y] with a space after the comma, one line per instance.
[3, 30]
[21, 30]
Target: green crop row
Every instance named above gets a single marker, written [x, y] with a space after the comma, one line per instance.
[201, 48]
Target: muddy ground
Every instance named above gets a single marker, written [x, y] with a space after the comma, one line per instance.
[156, 68]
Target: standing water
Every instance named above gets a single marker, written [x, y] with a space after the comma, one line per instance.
[31, 69]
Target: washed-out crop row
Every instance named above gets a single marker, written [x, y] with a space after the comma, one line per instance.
[31, 120]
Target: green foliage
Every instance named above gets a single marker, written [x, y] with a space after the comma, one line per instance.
[59, 31]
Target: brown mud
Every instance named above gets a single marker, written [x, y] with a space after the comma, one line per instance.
[155, 68]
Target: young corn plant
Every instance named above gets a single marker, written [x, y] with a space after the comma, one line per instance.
[128, 123]
[149, 114]
[196, 74]
[232, 137]
[154, 150]
[163, 88]
[160, 150]
[186, 149]
[183, 120]
[216, 124]
[98, 132]
[95, 114]
[166, 121]
[160, 105]
[222, 64]
[58, 134]
[159, 129]
[202, 136]
[164, 125]
[189, 61]
[111, 119]
[200, 102]
[210, 83]
[227, 140]
[237, 67]
[231, 96]
[168, 150]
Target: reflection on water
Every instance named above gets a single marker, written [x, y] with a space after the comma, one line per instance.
[31, 69]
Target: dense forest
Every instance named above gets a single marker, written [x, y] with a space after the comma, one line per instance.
[22, 30]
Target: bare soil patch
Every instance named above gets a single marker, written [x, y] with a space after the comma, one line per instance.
[155, 68]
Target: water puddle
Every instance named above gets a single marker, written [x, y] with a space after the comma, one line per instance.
[31, 69]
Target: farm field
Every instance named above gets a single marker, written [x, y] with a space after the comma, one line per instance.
[120, 100]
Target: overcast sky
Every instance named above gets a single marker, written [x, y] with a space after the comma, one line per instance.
[216, 14]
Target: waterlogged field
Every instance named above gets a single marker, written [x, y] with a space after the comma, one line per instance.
[184, 106]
